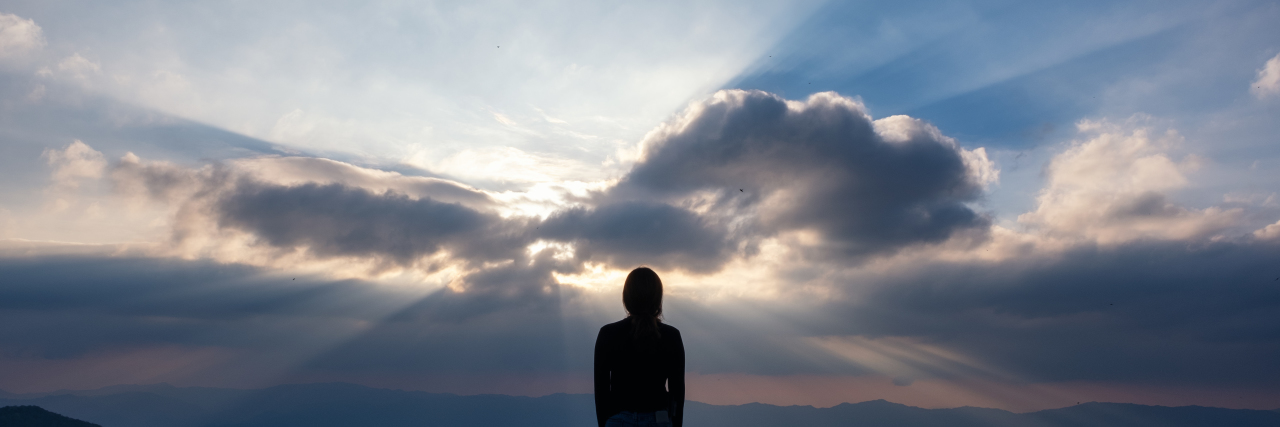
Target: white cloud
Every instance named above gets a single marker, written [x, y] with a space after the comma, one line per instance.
[74, 164]
[1270, 232]
[291, 171]
[1268, 82]
[78, 65]
[18, 36]
[75, 68]
[1114, 188]
[901, 128]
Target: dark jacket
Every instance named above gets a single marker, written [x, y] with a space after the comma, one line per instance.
[639, 374]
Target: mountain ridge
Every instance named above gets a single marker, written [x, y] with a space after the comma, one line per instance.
[336, 404]
[35, 416]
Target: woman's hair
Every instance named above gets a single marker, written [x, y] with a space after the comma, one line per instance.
[642, 296]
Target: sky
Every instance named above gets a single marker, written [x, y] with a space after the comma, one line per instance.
[938, 203]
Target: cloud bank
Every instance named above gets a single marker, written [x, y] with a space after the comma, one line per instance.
[798, 238]
[729, 172]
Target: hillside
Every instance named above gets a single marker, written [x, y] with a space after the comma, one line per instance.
[35, 416]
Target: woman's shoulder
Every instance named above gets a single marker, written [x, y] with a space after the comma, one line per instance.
[621, 325]
[668, 329]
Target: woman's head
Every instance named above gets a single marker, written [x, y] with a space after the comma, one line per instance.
[642, 296]
[642, 293]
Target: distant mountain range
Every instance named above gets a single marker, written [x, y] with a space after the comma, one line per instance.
[336, 404]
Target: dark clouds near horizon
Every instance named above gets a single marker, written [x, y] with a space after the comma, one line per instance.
[1152, 313]
[1148, 312]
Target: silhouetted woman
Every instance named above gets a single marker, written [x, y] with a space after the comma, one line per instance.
[640, 361]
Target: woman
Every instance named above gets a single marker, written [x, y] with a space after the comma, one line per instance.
[636, 357]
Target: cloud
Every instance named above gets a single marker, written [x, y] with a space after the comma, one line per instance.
[81, 310]
[1113, 187]
[751, 166]
[344, 221]
[1145, 311]
[75, 69]
[75, 164]
[18, 36]
[820, 166]
[1270, 232]
[96, 303]
[1141, 313]
[303, 170]
[78, 66]
[275, 205]
[165, 182]
[628, 234]
[336, 220]
[1268, 82]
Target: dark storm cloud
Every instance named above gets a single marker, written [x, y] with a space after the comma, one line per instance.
[337, 220]
[821, 165]
[1147, 312]
[628, 234]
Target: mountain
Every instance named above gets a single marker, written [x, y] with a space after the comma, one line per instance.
[881, 413]
[337, 404]
[309, 405]
[35, 416]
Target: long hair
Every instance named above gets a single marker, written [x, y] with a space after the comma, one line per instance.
[642, 296]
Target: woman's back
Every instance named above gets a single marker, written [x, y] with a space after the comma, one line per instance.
[637, 369]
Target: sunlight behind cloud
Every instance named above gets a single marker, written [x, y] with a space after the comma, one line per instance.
[373, 93]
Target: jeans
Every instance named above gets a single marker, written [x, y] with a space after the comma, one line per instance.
[638, 419]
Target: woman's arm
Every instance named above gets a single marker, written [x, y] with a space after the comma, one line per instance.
[675, 382]
[604, 402]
